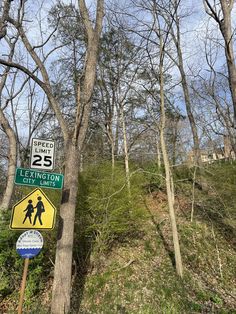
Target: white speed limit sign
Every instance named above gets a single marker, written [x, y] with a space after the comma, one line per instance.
[42, 154]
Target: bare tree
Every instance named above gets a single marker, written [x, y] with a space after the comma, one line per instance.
[174, 24]
[211, 97]
[10, 96]
[160, 30]
[10, 133]
[119, 64]
[221, 13]
[168, 174]
[73, 136]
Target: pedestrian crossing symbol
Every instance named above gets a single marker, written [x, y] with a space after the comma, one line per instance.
[34, 211]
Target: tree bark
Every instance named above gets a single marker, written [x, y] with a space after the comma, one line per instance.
[3, 19]
[63, 262]
[12, 157]
[64, 249]
[73, 147]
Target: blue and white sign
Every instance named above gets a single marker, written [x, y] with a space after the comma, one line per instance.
[29, 243]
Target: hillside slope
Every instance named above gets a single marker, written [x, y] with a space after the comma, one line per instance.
[139, 276]
[123, 252]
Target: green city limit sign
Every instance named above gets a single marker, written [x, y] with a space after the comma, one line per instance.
[39, 178]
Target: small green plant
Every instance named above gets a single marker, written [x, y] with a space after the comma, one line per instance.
[154, 177]
[216, 299]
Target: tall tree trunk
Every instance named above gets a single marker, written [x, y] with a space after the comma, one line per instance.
[64, 249]
[226, 30]
[196, 142]
[117, 126]
[168, 174]
[125, 145]
[12, 157]
[73, 148]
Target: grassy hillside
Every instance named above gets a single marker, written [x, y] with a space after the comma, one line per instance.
[123, 257]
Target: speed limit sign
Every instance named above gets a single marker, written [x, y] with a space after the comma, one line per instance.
[42, 154]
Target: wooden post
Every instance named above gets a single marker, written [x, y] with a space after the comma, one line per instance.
[23, 283]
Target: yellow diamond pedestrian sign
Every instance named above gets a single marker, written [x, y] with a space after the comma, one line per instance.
[34, 211]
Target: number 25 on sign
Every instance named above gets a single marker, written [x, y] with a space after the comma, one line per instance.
[42, 154]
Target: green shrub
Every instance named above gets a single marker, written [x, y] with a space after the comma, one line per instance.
[105, 212]
[154, 177]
